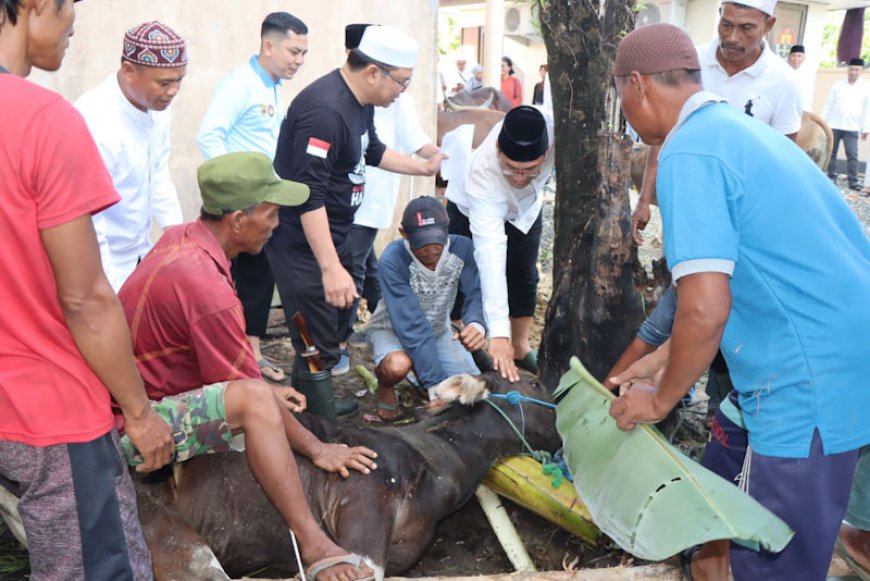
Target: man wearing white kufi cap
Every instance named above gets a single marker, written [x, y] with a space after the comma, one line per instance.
[740, 66]
[326, 141]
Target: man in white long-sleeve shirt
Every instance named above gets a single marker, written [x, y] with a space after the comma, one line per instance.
[498, 205]
[847, 111]
[129, 118]
[245, 114]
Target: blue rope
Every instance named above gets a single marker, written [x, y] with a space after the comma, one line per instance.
[514, 398]
[551, 467]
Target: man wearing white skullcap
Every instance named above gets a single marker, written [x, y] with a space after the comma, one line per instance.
[326, 141]
[740, 66]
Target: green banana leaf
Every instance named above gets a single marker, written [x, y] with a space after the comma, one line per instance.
[643, 493]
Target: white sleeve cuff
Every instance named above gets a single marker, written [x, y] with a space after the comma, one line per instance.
[702, 265]
[499, 329]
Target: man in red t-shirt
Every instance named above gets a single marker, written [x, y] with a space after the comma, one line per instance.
[188, 331]
[64, 343]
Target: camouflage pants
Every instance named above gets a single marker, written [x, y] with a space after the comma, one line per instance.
[198, 421]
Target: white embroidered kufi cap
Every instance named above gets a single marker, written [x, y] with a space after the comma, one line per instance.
[390, 46]
[766, 6]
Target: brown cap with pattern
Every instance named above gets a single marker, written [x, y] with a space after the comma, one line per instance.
[656, 48]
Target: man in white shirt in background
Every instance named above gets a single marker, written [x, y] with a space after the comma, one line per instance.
[458, 77]
[129, 117]
[245, 114]
[806, 79]
[796, 56]
[847, 111]
[398, 127]
[740, 66]
[498, 205]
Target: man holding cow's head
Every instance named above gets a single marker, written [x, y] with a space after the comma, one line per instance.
[199, 369]
[757, 237]
[422, 275]
[498, 205]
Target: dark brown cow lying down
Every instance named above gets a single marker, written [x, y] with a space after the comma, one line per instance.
[425, 472]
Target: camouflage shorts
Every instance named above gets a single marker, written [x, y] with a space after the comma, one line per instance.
[198, 421]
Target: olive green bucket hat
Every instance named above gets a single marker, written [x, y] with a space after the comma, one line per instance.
[236, 181]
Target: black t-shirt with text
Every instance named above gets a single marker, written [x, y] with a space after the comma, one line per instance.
[326, 141]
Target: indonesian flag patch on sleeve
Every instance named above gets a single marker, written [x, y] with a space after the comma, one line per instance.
[317, 147]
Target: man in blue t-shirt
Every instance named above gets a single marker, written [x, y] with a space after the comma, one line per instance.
[771, 264]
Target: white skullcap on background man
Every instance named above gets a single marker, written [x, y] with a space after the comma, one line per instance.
[390, 46]
[766, 6]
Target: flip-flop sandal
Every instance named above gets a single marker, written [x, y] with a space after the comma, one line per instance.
[840, 549]
[350, 559]
[398, 420]
[529, 362]
[267, 364]
[686, 561]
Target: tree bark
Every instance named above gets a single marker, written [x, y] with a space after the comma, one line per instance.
[595, 308]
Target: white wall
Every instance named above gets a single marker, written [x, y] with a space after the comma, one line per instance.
[222, 34]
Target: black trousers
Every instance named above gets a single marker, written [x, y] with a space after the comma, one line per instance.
[850, 144]
[522, 263]
[255, 284]
[364, 269]
[300, 285]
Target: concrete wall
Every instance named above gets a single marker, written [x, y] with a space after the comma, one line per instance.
[222, 34]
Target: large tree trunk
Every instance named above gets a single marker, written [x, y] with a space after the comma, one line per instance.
[595, 308]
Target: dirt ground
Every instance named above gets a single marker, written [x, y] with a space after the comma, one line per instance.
[464, 544]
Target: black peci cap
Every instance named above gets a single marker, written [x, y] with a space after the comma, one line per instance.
[353, 35]
[523, 136]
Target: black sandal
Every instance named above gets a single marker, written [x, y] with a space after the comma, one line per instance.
[686, 561]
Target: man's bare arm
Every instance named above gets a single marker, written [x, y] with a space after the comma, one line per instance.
[97, 323]
[338, 285]
[400, 163]
[702, 311]
[641, 215]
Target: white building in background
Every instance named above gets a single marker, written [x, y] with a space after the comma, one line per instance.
[797, 22]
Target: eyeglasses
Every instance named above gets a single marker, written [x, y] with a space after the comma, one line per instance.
[402, 83]
[523, 173]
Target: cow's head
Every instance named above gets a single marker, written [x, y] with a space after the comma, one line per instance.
[535, 419]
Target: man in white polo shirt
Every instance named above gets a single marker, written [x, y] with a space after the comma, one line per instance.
[398, 127]
[741, 67]
[847, 111]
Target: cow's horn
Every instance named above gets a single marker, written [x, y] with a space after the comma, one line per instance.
[456, 108]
